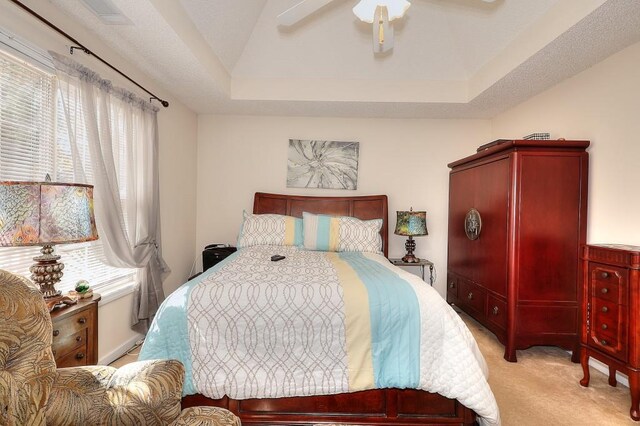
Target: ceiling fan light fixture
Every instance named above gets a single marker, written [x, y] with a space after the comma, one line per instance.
[365, 10]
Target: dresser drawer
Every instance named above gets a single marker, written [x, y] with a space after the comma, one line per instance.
[62, 345]
[452, 288]
[497, 311]
[75, 358]
[471, 296]
[608, 282]
[71, 325]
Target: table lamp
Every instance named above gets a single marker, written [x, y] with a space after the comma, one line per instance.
[411, 224]
[45, 214]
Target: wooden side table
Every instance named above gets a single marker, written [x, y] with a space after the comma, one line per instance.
[422, 263]
[75, 333]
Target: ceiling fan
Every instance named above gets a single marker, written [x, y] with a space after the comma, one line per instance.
[380, 13]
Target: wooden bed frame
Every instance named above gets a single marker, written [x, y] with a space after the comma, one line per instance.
[398, 407]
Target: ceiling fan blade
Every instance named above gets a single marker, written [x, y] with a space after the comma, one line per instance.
[300, 11]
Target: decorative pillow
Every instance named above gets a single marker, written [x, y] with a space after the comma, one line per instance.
[270, 229]
[341, 233]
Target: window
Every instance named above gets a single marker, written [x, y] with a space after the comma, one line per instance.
[33, 142]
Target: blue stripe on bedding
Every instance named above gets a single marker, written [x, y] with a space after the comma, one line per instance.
[395, 323]
[168, 336]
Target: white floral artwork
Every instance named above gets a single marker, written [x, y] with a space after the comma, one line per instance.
[322, 164]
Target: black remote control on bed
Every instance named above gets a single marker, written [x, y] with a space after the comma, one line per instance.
[276, 257]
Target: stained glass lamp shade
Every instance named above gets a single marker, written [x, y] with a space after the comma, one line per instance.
[45, 214]
[411, 224]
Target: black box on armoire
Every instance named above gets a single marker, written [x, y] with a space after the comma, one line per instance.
[215, 253]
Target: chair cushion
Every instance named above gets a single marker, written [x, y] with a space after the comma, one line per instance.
[206, 416]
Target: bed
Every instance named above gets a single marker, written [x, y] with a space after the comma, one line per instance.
[388, 406]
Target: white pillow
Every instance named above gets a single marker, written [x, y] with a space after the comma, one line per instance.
[341, 233]
[270, 229]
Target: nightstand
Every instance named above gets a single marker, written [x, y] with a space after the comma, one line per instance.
[422, 263]
[75, 333]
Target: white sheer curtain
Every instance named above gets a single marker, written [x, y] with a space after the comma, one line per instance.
[121, 131]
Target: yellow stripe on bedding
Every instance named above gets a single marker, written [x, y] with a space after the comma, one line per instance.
[358, 325]
[289, 231]
[334, 234]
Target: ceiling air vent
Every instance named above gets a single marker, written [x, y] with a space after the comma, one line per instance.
[107, 12]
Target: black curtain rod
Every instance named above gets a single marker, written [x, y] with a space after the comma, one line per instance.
[86, 50]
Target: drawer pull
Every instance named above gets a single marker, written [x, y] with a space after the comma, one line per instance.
[78, 338]
[604, 290]
[605, 275]
[604, 342]
[452, 284]
[56, 332]
[79, 355]
[495, 310]
[82, 320]
[605, 326]
[605, 309]
[470, 296]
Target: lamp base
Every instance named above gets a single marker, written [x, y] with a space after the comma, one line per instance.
[47, 271]
[410, 246]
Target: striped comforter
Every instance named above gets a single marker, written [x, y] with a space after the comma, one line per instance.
[317, 323]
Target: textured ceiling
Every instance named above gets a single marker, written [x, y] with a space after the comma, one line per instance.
[452, 58]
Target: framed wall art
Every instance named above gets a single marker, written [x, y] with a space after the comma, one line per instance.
[322, 164]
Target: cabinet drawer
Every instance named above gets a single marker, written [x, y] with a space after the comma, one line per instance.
[72, 324]
[608, 331]
[497, 311]
[452, 288]
[608, 282]
[471, 296]
[75, 358]
[64, 344]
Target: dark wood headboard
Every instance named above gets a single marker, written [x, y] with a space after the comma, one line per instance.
[364, 207]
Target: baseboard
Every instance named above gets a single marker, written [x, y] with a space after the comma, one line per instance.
[604, 369]
[120, 350]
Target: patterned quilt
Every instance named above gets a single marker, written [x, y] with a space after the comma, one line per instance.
[317, 323]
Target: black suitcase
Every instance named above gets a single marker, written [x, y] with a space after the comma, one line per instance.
[214, 253]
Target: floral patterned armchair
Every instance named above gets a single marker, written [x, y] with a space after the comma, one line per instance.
[34, 392]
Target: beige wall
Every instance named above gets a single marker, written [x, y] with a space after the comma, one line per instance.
[177, 127]
[601, 104]
[405, 159]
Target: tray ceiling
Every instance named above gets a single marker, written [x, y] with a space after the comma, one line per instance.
[452, 58]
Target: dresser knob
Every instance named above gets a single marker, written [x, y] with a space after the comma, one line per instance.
[78, 338]
[56, 332]
[452, 284]
[470, 296]
[604, 290]
[79, 355]
[82, 320]
[605, 326]
[605, 309]
[495, 310]
[604, 342]
[605, 275]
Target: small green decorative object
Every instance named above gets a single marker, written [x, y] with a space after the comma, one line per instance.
[82, 286]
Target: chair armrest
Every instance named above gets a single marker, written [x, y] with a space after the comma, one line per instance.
[140, 393]
[78, 395]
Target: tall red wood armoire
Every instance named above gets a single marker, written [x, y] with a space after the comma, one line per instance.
[517, 220]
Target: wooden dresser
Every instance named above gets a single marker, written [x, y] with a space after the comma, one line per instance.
[610, 314]
[517, 221]
[75, 333]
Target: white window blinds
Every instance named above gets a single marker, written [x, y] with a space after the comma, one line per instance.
[33, 142]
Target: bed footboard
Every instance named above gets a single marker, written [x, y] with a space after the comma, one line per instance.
[397, 407]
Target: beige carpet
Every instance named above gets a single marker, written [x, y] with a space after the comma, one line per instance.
[541, 388]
